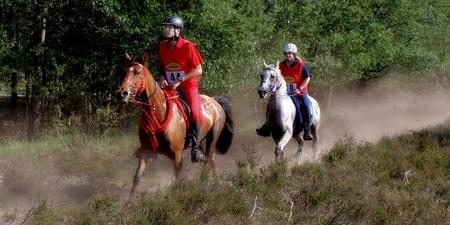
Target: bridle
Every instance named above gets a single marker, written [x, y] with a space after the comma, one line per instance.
[138, 85]
[273, 87]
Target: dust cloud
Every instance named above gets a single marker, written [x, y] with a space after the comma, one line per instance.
[383, 108]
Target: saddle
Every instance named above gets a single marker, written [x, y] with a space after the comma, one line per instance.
[298, 121]
[186, 109]
[173, 96]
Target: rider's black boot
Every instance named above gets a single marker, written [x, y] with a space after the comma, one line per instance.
[196, 154]
[264, 131]
[307, 135]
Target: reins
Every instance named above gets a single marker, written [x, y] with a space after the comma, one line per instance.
[138, 102]
[149, 122]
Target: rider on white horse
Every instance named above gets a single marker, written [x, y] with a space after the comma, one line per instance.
[297, 76]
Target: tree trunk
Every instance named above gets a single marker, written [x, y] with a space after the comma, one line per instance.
[35, 103]
[34, 113]
[13, 107]
[87, 113]
[14, 104]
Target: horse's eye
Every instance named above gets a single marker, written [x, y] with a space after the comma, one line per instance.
[272, 76]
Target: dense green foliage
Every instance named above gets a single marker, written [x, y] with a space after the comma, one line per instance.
[401, 180]
[77, 67]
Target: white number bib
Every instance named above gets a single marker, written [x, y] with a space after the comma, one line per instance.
[291, 87]
[174, 77]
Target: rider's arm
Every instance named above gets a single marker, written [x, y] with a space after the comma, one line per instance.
[304, 83]
[306, 74]
[194, 73]
[196, 60]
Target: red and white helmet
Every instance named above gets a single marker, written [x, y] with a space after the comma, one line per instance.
[290, 48]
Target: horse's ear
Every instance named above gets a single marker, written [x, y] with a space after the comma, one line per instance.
[265, 64]
[278, 64]
[145, 57]
[126, 57]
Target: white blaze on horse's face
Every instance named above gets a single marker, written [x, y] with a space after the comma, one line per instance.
[132, 84]
[269, 82]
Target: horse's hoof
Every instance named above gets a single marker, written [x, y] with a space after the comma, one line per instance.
[278, 152]
[307, 137]
[198, 156]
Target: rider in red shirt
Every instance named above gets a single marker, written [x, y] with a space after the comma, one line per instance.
[297, 76]
[182, 66]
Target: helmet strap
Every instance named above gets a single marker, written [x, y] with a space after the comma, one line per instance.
[173, 38]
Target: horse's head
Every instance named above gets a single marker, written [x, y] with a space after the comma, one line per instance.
[135, 74]
[271, 80]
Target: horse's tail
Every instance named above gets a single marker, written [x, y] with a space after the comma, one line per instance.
[227, 133]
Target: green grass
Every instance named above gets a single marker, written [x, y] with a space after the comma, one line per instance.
[76, 140]
[5, 89]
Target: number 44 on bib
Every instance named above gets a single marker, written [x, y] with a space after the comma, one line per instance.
[174, 77]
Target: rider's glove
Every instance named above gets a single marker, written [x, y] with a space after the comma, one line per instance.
[299, 91]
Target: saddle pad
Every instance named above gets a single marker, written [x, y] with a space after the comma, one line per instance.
[298, 121]
[186, 108]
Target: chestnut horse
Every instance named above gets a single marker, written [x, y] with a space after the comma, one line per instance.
[163, 126]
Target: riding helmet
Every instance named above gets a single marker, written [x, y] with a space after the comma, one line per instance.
[290, 48]
[175, 21]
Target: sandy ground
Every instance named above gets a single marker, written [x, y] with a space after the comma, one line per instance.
[377, 111]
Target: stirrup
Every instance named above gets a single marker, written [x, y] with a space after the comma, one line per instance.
[307, 136]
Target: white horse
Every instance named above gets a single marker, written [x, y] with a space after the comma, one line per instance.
[280, 114]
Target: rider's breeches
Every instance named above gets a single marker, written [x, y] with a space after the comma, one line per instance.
[305, 108]
[192, 97]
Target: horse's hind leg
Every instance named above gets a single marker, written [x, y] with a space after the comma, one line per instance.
[210, 140]
[142, 164]
[212, 162]
[315, 139]
[300, 142]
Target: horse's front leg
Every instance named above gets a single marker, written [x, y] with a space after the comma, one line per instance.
[178, 160]
[282, 142]
[142, 164]
[279, 154]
